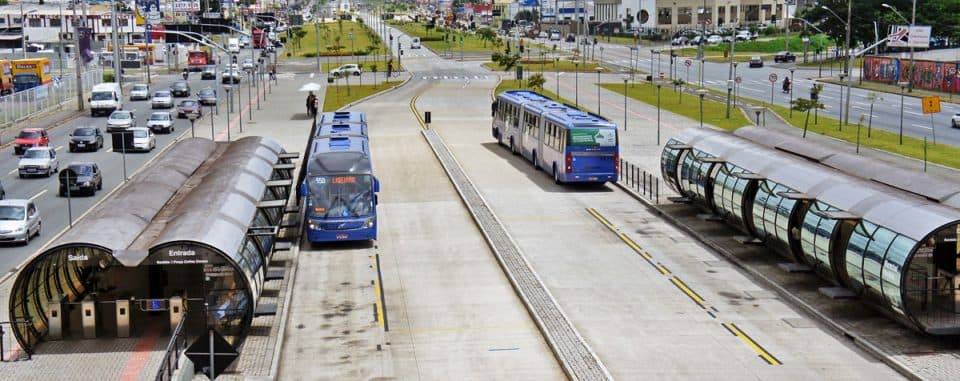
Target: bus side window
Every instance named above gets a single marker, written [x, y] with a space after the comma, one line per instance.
[563, 139]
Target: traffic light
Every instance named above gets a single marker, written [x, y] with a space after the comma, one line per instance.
[521, 48]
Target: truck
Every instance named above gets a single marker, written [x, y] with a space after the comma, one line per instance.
[198, 59]
[233, 45]
[31, 72]
[6, 77]
[259, 42]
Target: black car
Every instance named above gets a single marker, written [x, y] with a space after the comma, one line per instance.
[756, 61]
[209, 72]
[207, 97]
[86, 139]
[180, 89]
[784, 57]
[80, 178]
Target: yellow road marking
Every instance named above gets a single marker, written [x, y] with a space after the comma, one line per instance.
[602, 220]
[635, 247]
[766, 356]
[376, 290]
[663, 270]
[686, 290]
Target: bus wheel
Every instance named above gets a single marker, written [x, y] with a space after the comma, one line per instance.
[534, 159]
[556, 175]
[512, 149]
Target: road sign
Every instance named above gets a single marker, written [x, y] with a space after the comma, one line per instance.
[707, 21]
[661, 75]
[772, 77]
[688, 62]
[931, 105]
[738, 79]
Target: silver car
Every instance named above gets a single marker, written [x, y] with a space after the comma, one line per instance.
[139, 92]
[120, 120]
[38, 161]
[162, 99]
[143, 139]
[160, 121]
[19, 221]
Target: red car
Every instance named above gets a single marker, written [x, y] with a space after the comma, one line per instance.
[30, 137]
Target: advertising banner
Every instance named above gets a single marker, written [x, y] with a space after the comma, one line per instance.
[593, 137]
[903, 36]
[86, 34]
[930, 75]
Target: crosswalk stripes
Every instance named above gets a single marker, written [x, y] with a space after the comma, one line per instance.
[454, 77]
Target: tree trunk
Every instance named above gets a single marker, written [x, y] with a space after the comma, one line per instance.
[870, 123]
[806, 122]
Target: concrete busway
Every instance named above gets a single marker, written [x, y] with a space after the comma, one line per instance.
[190, 236]
[884, 243]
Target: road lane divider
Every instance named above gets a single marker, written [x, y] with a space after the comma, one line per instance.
[379, 306]
[763, 353]
[38, 195]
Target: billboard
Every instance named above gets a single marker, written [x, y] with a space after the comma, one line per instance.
[186, 6]
[903, 36]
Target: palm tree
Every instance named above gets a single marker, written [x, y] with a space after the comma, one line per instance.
[536, 81]
[805, 105]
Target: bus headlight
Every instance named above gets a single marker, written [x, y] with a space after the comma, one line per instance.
[370, 223]
[313, 225]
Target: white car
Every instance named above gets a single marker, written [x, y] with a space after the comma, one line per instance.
[247, 64]
[348, 69]
[162, 99]
[38, 161]
[139, 92]
[143, 139]
[714, 39]
[120, 120]
[745, 35]
[161, 121]
[955, 121]
[19, 220]
[231, 76]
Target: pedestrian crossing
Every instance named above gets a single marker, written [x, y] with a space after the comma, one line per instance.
[456, 77]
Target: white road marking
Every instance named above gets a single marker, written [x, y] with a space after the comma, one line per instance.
[58, 148]
[38, 195]
[913, 113]
[109, 150]
[13, 171]
[921, 126]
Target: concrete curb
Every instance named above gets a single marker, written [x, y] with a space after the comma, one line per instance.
[826, 321]
[281, 332]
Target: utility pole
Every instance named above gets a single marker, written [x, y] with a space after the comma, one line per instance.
[77, 54]
[733, 46]
[703, 34]
[913, 22]
[846, 117]
[116, 46]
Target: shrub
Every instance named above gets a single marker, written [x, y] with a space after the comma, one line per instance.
[107, 77]
[310, 54]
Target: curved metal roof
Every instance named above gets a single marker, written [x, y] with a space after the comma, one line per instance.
[903, 212]
[930, 186]
[219, 210]
[117, 222]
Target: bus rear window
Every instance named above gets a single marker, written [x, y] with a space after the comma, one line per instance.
[592, 137]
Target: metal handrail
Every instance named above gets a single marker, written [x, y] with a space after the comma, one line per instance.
[640, 181]
[28, 350]
[178, 344]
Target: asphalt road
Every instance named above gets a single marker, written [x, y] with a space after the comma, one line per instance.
[755, 84]
[55, 211]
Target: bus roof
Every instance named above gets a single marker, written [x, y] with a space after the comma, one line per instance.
[520, 96]
[331, 163]
[323, 145]
[342, 129]
[342, 117]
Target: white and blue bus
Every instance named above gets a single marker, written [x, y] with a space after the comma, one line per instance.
[340, 190]
[341, 123]
[566, 142]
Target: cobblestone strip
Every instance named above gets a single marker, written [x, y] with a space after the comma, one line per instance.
[576, 357]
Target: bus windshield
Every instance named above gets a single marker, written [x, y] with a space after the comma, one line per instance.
[21, 79]
[593, 137]
[340, 196]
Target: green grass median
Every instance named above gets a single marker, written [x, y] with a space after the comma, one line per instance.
[335, 40]
[337, 96]
[688, 106]
[433, 38]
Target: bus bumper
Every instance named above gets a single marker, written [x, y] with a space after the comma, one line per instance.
[588, 177]
[315, 234]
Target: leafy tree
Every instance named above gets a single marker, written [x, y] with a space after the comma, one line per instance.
[872, 97]
[486, 34]
[506, 61]
[536, 81]
[373, 69]
[805, 105]
[678, 85]
[527, 15]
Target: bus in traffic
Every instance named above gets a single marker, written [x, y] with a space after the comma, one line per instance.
[569, 144]
[340, 190]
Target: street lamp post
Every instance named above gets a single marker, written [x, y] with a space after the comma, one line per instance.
[701, 93]
[558, 85]
[576, 83]
[791, 91]
[625, 79]
[845, 113]
[903, 85]
[599, 69]
[840, 121]
[230, 99]
[658, 112]
[212, 134]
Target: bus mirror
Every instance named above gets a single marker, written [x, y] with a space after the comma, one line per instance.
[376, 185]
[303, 189]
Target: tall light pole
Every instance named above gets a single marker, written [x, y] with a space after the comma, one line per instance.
[846, 113]
[599, 69]
[116, 45]
[791, 91]
[903, 85]
[625, 79]
[576, 83]
[558, 86]
[733, 48]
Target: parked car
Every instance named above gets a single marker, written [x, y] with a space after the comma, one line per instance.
[415, 43]
[162, 99]
[697, 40]
[680, 40]
[180, 89]
[189, 107]
[570, 38]
[231, 76]
[554, 35]
[247, 64]
[207, 97]
[139, 92]
[120, 120]
[543, 34]
[714, 39]
[784, 57]
[209, 72]
[19, 221]
[79, 178]
[161, 121]
[30, 137]
[955, 121]
[143, 139]
[86, 138]
[348, 69]
[745, 35]
[38, 161]
[756, 61]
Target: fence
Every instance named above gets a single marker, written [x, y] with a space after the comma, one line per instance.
[644, 183]
[28, 103]
[171, 358]
[10, 350]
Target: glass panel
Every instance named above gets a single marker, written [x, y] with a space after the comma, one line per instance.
[721, 188]
[856, 251]
[808, 236]
[873, 257]
[759, 206]
[893, 270]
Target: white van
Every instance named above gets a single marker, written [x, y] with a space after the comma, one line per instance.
[105, 98]
[233, 45]
[415, 43]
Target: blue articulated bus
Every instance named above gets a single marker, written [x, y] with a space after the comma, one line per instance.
[570, 144]
[340, 190]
